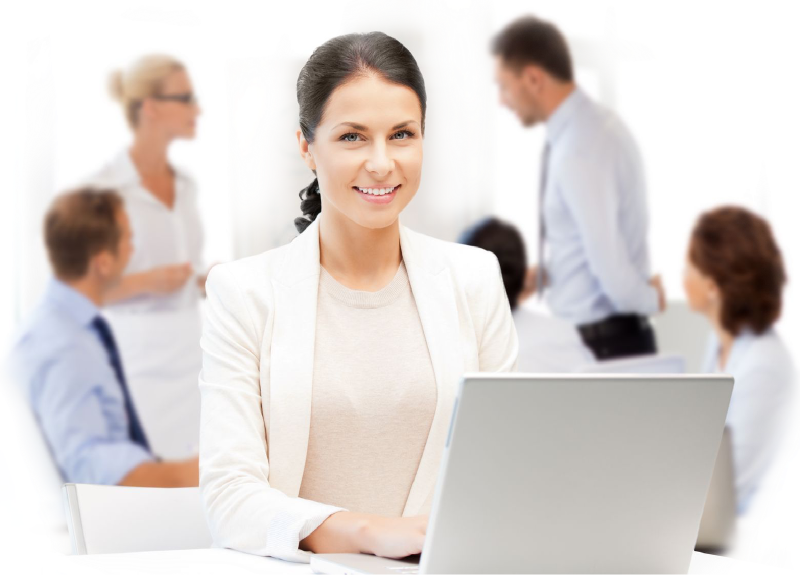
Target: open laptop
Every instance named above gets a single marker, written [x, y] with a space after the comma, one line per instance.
[718, 523]
[591, 473]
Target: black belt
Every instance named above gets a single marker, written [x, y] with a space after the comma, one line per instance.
[615, 326]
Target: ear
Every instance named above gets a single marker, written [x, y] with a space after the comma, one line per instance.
[532, 77]
[305, 151]
[102, 264]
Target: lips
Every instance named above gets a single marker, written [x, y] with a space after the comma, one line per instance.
[376, 195]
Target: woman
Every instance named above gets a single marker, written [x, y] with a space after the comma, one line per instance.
[735, 276]
[330, 364]
[154, 310]
[547, 344]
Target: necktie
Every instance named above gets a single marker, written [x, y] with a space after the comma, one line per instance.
[540, 271]
[135, 429]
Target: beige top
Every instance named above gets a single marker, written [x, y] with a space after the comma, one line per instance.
[373, 397]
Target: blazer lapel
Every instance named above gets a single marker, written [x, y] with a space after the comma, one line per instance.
[432, 287]
[292, 361]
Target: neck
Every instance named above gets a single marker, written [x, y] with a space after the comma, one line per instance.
[89, 288]
[560, 91]
[149, 152]
[725, 338]
[358, 257]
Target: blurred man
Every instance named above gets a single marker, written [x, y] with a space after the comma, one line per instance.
[592, 205]
[67, 358]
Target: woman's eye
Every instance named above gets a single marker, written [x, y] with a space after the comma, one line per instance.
[402, 135]
[351, 137]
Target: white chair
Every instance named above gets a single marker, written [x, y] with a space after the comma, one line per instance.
[45, 475]
[641, 364]
[114, 519]
[681, 331]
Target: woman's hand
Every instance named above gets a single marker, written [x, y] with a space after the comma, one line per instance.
[347, 532]
[167, 279]
[395, 537]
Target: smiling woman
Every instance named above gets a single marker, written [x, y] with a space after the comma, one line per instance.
[367, 137]
[331, 364]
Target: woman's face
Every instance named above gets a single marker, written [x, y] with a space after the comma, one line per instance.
[702, 293]
[367, 151]
[176, 117]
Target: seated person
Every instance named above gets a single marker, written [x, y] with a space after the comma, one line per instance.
[734, 276]
[67, 360]
[546, 344]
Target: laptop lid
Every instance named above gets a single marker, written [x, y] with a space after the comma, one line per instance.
[575, 473]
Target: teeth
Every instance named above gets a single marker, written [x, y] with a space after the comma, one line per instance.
[376, 191]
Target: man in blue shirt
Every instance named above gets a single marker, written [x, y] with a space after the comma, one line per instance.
[67, 360]
[592, 198]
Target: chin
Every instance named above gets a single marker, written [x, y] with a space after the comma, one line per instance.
[375, 221]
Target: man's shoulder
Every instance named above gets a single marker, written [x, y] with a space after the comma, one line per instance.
[51, 336]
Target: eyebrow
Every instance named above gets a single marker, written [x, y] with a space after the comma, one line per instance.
[363, 128]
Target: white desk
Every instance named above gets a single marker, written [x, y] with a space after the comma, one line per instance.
[215, 561]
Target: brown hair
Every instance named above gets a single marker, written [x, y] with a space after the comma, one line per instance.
[531, 40]
[79, 225]
[736, 248]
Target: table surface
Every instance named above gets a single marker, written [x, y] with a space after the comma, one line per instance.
[200, 561]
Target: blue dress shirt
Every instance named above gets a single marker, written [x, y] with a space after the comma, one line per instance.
[763, 387]
[74, 393]
[595, 214]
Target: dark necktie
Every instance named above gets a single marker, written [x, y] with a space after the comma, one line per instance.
[540, 271]
[135, 429]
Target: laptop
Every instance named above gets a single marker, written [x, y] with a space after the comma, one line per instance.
[718, 523]
[584, 473]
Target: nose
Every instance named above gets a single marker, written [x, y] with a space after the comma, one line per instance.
[379, 163]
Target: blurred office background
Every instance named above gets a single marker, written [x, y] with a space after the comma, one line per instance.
[711, 113]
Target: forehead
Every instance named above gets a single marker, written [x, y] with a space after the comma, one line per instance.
[176, 81]
[503, 70]
[373, 102]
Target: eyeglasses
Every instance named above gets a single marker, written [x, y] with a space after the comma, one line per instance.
[187, 98]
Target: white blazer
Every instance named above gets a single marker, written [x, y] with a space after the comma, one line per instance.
[257, 378]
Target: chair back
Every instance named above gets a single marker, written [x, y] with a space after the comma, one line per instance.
[116, 519]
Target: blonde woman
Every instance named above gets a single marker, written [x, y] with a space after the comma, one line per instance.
[154, 310]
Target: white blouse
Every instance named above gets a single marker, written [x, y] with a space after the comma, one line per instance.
[161, 236]
[763, 386]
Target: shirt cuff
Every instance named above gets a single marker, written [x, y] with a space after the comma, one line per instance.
[300, 520]
[651, 301]
[110, 463]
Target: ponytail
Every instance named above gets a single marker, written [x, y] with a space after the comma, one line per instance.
[310, 205]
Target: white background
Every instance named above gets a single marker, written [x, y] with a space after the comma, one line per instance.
[709, 89]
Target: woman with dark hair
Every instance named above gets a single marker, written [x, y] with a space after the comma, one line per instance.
[735, 277]
[330, 364]
[547, 344]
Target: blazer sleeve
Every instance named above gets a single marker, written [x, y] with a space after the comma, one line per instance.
[243, 511]
[498, 344]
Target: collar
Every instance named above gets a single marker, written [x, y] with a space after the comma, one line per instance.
[740, 345]
[127, 176]
[72, 302]
[562, 115]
